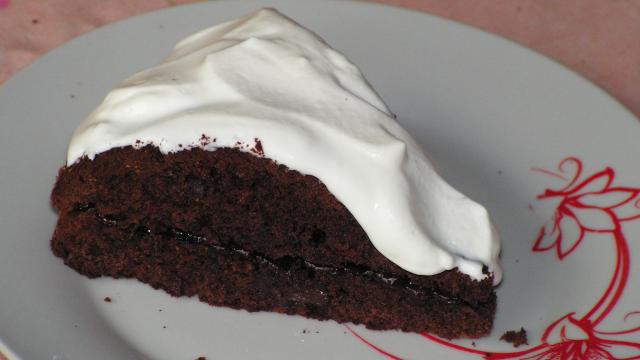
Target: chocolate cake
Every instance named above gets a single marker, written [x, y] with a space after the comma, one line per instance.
[256, 169]
[243, 232]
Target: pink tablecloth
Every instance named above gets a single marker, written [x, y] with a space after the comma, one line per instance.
[599, 39]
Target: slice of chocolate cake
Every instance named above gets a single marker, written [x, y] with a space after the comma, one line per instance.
[256, 169]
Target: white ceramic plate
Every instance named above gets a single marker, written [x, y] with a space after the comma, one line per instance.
[496, 118]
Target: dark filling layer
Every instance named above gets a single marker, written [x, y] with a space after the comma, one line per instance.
[285, 264]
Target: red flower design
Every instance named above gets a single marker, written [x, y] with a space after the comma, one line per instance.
[4, 3]
[573, 339]
[591, 205]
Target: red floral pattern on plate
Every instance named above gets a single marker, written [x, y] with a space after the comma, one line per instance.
[585, 205]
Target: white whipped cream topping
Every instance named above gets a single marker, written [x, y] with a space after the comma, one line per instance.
[264, 76]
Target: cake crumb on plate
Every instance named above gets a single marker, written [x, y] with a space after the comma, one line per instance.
[516, 338]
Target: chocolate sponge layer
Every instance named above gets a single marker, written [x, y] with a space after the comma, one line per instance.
[241, 231]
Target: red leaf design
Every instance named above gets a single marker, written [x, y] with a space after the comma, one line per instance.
[628, 211]
[566, 328]
[594, 219]
[565, 234]
[547, 237]
[607, 200]
[596, 183]
[571, 234]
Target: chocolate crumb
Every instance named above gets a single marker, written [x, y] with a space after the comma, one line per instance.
[201, 358]
[107, 299]
[159, 310]
[205, 140]
[164, 326]
[257, 149]
[473, 343]
[516, 338]
[35, 21]
[73, 96]
[305, 331]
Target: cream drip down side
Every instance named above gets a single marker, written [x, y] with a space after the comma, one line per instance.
[264, 76]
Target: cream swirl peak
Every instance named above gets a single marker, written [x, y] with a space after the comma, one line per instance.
[265, 77]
